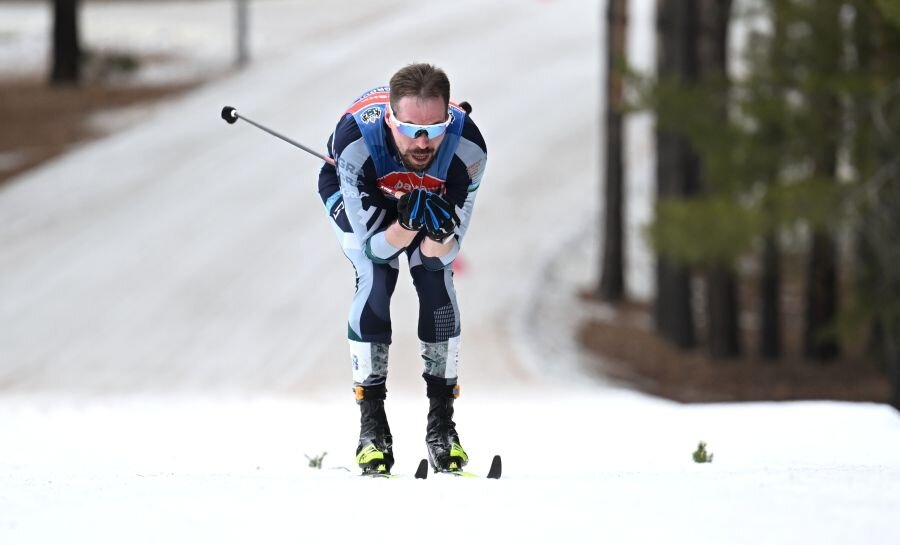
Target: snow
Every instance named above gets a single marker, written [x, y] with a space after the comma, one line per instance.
[172, 304]
[157, 470]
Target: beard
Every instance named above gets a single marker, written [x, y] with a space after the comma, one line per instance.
[418, 158]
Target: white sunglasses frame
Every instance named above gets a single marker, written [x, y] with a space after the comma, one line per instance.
[420, 128]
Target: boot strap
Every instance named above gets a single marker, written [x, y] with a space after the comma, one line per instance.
[374, 393]
[442, 391]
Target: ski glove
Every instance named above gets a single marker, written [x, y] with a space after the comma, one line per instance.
[440, 217]
[411, 209]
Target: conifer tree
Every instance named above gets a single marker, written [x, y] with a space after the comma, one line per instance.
[810, 148]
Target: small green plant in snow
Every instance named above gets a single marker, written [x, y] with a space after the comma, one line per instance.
[316, 461]
[701, 456]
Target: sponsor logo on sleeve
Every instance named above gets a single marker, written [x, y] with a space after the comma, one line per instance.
[349, 172]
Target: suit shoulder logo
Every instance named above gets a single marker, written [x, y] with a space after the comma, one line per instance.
[371, 115]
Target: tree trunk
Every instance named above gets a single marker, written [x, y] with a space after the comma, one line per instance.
[721, 283]
[886, 34]
[674, 310]
[820, 345]
[821, 304]
[676, 170]
[66, 49]
[712, 37]
[674, 307]
[893, 360]
[612, 281]
[770, 301]
[770, 288]
[723, 341]
[827, 117]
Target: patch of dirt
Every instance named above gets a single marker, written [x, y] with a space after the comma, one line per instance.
[629, 352]
[41, 121]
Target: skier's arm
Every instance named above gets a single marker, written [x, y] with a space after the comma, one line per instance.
[367, 210]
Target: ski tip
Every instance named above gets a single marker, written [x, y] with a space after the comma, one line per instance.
[496, 468]
[422, 470]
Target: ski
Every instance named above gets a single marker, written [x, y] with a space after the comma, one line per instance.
[380, 475]
[494, 472]
[423, 468]
[496, 468]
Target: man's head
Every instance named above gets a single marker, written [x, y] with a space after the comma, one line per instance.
[418, 114]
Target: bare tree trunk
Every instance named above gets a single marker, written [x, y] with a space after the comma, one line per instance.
[821, 302]
[821, 279]
[877, 255]
[612, 281]
[770, 301]
[674, 306]
[893, 363]
[827, 112]
[721, 310]
[770, 288]
[676, 169]
[712, 38]
[883, 55]
[66, 49]
[674, 309]
[721, 282]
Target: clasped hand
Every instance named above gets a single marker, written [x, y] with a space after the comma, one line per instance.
[420, 209]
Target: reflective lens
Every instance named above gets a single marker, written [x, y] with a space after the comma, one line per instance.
[411, 130]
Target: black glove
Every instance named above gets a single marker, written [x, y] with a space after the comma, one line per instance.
[440, 217]
[411, 209]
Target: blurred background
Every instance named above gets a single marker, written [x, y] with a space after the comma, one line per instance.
[775, 226]
[735, 183]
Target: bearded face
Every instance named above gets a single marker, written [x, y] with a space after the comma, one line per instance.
[410, 124]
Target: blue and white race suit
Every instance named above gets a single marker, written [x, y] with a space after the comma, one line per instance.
[358, 196]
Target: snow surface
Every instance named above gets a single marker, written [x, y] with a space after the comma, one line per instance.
[172, 303]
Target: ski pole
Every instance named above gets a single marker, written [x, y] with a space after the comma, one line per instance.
[230, 115]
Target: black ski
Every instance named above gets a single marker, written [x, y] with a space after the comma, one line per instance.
[493, 473]
[496, 468]
[422, 470]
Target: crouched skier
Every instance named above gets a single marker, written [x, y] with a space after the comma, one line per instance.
[409, 165]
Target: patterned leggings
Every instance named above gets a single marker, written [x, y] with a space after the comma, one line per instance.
[369, 321]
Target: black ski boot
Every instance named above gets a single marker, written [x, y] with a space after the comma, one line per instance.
[375, 453]
[445, 452]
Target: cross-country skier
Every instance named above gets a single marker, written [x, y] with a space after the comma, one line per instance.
[409, 164]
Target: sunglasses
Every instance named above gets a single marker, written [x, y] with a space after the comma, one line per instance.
[411, 130]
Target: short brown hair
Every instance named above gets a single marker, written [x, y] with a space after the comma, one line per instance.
[419, 80]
